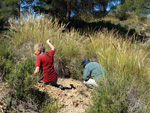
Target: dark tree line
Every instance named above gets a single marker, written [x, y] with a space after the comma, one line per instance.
[10, 8]
[67, 9]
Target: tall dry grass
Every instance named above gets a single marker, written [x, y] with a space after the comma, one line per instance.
[68, 45]
[118, 55]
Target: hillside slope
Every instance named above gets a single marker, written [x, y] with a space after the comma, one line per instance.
[74, 99]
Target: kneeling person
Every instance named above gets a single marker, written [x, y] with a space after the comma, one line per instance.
[45, 63]
[93, 72]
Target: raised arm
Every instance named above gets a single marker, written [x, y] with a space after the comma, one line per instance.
[50, 45]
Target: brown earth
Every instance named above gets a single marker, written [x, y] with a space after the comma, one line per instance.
[74, 99]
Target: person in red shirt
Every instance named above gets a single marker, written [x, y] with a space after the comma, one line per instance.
[45, 63]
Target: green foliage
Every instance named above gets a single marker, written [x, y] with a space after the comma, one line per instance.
[71, 47]
[7, 9]
[43, 101]
[12, 8]
[142, 18]
[50, 107]
[18, 75]
[138, 7]
[148, 29]
[20, 78]
[63, 9]
[56, 8]
[109, 98]
[6, 58]
[9, 33]
[136, 25]
[114, 95]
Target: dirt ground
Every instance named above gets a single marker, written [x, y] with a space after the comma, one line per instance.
[74, 99]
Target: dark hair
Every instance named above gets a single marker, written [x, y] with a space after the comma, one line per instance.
[84, 62]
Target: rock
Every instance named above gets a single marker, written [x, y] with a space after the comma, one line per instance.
[75, 104]
[70, 95]
[60, 104]
[74, 91]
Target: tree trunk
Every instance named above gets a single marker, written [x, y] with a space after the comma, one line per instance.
[104, 9]
[68, 14]
[19, 8]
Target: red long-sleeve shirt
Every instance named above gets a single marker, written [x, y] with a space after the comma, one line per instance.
[46, 63]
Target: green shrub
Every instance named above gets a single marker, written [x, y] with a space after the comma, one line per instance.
[9, 33]
[7, 60]
[142, 18]
[20, 78]
[42, 101]
[109, 97]
[21, 82]
[119, 95]
[50, 106]
[18, 75]
[148, 29]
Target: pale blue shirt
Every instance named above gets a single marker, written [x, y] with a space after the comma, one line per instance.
[94, 70]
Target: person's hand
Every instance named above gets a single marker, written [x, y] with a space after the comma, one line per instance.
[48, 41]
[50, 45]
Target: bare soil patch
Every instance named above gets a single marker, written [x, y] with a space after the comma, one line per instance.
[74, 99]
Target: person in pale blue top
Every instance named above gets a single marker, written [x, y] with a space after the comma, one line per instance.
[93, 72]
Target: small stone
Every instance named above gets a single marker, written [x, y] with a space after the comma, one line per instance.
[4, 107]
[60, 104]
[70, 95]
[44, 89]
[75, 104]
[74, 91]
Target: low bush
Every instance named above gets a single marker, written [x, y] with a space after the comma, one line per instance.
[17, 73]
[142, 18]
[120, 95]
[7, 59]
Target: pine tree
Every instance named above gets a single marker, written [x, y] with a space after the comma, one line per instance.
[56, 8]
[138, 7]
[10, 8]
[7, 9]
